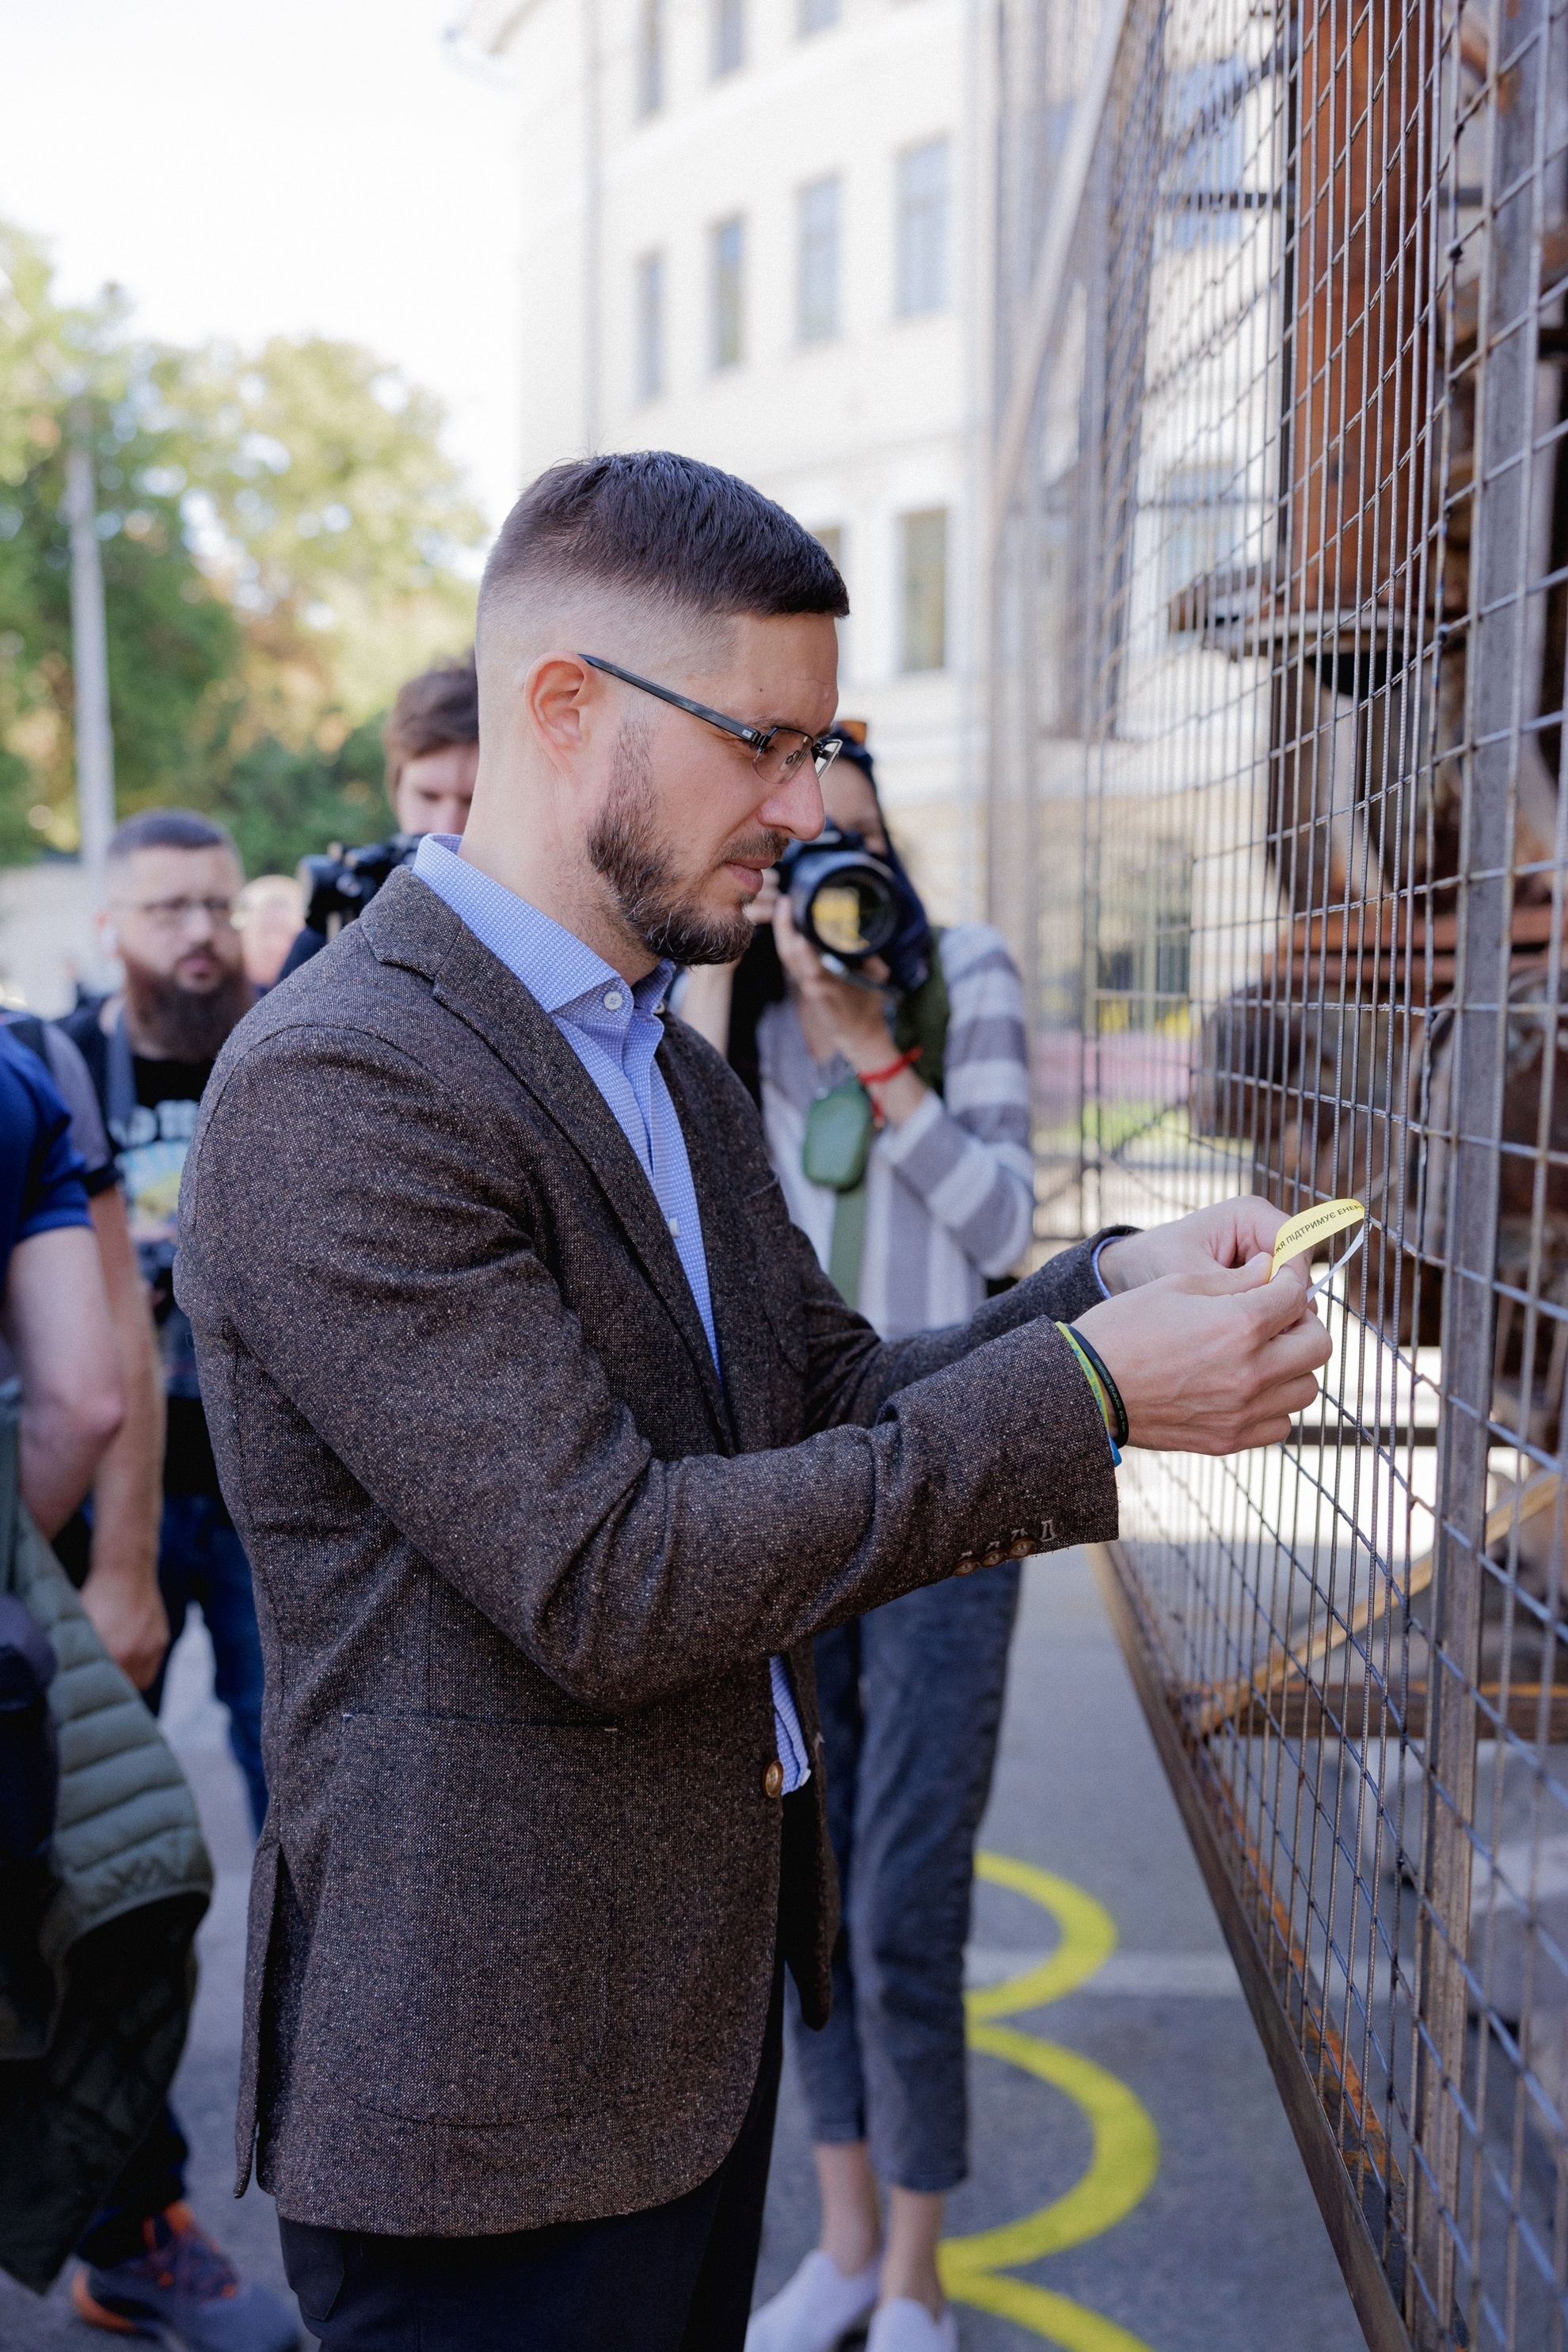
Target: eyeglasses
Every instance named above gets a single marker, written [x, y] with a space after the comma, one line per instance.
[776, 752]
[175, 914]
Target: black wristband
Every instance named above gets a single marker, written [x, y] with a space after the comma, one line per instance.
[1111, 1391]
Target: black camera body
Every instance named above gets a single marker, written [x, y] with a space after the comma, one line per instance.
[849, 903]
[340, 885]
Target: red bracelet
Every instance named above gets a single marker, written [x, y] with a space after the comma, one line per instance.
[880, 1078]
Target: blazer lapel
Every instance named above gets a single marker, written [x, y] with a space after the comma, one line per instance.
[478, 989]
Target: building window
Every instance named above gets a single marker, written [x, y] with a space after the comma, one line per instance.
[650, 57]
[728, 266]
[729, 36]
[816, 318]
[1205, 140]
[1202, 529]
[815, 15]
[650, 326]
[924, 569]
[922, 228]
[831, 537]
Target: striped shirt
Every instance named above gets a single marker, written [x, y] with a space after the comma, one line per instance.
[950, 1195]
[613, 1028]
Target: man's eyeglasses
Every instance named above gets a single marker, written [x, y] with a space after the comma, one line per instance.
[777, 752]
[175, 914]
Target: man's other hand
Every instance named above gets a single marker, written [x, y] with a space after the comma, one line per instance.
[128, 1617]
[1229, 1235]
[1211, 1362]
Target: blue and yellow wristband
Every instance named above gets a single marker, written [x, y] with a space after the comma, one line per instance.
[1106, 1395]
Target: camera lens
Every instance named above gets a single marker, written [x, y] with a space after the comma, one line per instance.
[849, 903]
[852, 913]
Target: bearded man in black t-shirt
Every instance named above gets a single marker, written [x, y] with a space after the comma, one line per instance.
[173, 881]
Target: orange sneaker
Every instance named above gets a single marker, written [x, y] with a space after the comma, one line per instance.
[181, 2286]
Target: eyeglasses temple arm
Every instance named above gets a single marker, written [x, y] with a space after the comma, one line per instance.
[748, 735]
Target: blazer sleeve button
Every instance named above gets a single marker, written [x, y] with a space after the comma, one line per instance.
[965, 1564]
[993, 1558]
[772, 1780]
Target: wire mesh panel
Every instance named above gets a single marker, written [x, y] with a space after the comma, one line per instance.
[1279, 636]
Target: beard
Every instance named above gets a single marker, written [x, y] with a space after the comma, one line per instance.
[624, 847]
[188, 1024]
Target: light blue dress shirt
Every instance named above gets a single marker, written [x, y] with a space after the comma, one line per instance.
[614, 1029]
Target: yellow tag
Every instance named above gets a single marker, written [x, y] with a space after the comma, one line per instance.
[1311, 1226]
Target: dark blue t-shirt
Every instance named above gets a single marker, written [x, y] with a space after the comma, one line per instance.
[41, 1172]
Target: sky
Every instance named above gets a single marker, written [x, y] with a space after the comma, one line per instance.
[298, 166]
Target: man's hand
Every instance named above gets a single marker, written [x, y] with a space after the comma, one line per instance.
[1211, 1362]
[129, 1618]
[1229, 1235]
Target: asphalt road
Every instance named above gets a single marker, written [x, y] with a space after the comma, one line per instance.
[1225, 2251]
[1222, 2250]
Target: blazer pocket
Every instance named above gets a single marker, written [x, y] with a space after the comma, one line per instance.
[463, 1933]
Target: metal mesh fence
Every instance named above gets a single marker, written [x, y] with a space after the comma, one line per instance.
[1278, 637]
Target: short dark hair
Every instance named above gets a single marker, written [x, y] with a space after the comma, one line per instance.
[169, 828]
[439, 708]
[683, 532]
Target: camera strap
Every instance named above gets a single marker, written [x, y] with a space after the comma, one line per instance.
[848, 1249]
[834, 1152]
[840, 1125]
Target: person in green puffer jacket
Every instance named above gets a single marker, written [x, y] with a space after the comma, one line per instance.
[103, 1874]
[101, 1888]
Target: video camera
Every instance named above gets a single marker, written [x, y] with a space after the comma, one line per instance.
[849, 904]
[340, 885]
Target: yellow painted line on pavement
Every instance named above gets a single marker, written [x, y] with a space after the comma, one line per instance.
[1125, 2150]
[1087, 1938]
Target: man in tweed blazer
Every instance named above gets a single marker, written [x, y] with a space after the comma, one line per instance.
[553, 1449]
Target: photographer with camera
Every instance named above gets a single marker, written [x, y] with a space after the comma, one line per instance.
[431, 741]
[895, 1094]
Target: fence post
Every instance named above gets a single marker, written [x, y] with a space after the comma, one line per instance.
[1497, 635]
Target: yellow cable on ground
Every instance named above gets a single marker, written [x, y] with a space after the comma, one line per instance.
[1125, 2154]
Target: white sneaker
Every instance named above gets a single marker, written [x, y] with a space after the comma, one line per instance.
[904, 2326]
[817, 2307]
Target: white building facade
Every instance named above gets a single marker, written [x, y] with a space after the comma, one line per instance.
[757, 231]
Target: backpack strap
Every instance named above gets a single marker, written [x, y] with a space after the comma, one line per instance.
[28, 1030]
[921, 1019]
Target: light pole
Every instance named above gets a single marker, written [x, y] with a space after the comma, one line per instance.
[89, 648]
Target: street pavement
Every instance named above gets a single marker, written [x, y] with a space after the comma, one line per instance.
[1223, 2251]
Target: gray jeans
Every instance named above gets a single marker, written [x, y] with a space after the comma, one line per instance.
[911, 1703]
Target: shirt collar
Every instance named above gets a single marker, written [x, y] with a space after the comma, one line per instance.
[553, 964]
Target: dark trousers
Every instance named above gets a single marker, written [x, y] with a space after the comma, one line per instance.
[201, 1559]
[674, 2278]
[155, 2178]
[911, 1697]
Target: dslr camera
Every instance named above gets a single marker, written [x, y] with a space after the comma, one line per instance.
[850, 905]
[342, 885]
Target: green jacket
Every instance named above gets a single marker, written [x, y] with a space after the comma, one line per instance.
[97, 1965]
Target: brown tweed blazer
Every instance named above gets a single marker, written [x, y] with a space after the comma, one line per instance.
[520, 1561]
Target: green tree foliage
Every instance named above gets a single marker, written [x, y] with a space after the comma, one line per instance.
[174, 640]
[280, 803]
[282, 542]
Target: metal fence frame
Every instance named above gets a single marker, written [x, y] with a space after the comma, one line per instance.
[1279, 597]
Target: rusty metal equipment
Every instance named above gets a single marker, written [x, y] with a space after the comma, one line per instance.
[1278, 623]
